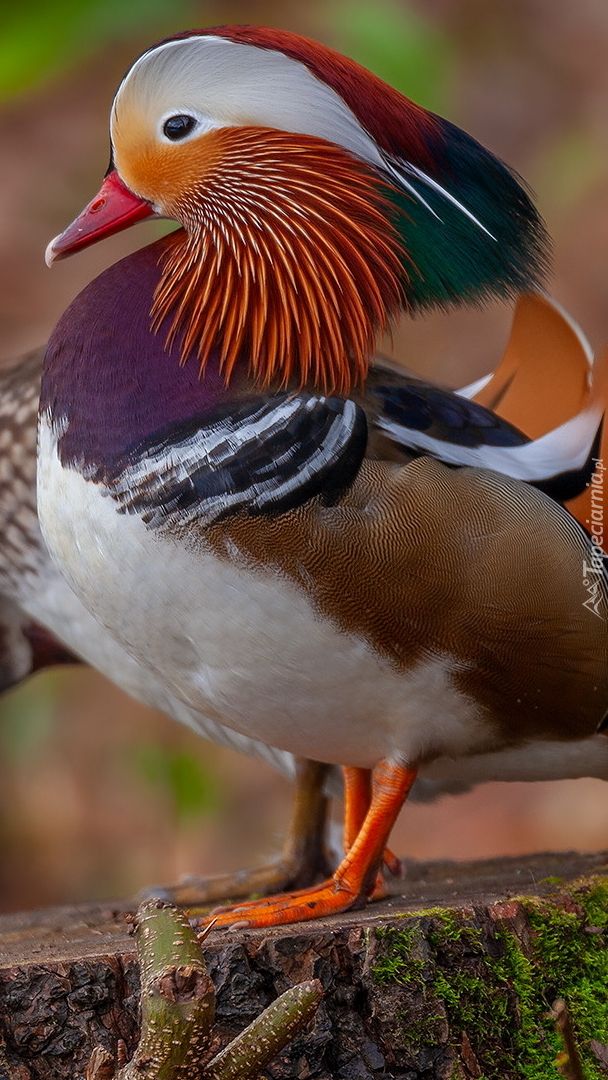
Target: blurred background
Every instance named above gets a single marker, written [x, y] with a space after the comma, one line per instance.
[98, 796]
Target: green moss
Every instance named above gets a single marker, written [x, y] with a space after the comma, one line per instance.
[592, 895]
[472, 991]
[447, 930]
[398, 962]
[533, 1038]
[500, 994]
[401, 962]
[457, 975]
[570, 961]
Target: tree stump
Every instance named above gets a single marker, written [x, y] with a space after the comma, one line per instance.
[452, 977]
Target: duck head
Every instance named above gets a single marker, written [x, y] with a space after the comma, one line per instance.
[317, 203]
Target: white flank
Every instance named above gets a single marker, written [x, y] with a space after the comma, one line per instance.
[543, 759]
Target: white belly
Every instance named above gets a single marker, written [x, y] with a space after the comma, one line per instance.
[244, 646]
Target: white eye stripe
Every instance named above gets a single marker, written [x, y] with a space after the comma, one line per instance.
[241, 85]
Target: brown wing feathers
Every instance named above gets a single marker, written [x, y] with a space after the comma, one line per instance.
[427, 561]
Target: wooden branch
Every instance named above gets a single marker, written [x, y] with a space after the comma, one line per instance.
[453, 976]
[177, 1002]
[568, 1061]
[178, 1011]
[267, 1035]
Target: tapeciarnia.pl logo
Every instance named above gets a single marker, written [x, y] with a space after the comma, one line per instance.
[593, 571]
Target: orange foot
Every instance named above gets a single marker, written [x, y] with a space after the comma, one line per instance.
[354, 881]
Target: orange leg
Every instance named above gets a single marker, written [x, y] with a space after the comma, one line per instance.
[355, 878]
[357, 797]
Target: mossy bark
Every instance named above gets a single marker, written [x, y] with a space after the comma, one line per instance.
[454, 979]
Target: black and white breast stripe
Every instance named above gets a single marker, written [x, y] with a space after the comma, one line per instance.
[261, 455]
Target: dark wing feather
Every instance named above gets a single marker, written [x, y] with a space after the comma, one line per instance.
[419, 418]
[406, 408]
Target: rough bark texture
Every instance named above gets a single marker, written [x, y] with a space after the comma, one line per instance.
[453, 977]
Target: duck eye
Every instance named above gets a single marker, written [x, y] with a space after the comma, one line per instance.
[177, 127]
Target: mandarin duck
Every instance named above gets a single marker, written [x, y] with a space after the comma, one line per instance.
[31, 589]
[42, 624]
[283, 536]
[547, 362]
